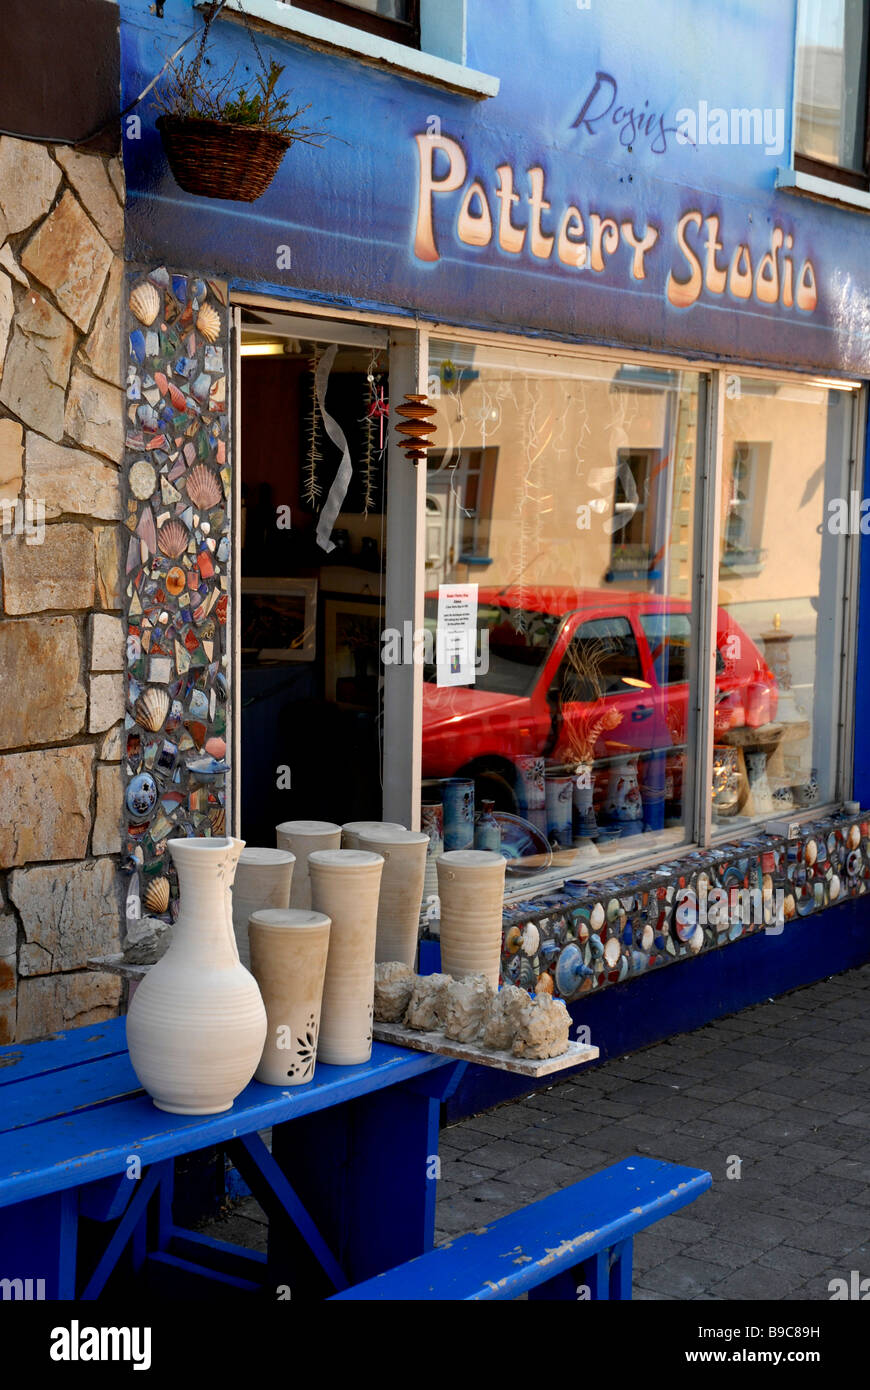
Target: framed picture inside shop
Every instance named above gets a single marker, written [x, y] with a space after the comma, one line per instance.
[279, 619]
[352, 634]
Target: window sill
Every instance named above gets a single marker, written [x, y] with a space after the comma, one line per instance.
[329, 34]
[826, 190]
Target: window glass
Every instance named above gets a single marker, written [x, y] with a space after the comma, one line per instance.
[833, 56]
[669, 637]
[781, 578]
[564, 491]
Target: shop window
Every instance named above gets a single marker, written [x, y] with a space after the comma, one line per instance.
[780, 634]
[591, 673]
[575, 459]
[833, 91]
[392, 19]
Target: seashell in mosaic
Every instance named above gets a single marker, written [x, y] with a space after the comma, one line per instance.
[156, 895]
[208, 321]
[203, 487]
[152, 708]
[142, 479]
[145, 301]
[172, 539]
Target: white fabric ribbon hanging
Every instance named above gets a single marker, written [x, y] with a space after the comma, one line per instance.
[337, 493]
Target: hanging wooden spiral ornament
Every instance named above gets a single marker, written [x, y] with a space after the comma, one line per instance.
[417, 425]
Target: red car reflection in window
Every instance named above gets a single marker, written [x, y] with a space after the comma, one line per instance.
[564, 670]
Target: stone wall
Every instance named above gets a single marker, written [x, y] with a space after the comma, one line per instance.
[62, 641]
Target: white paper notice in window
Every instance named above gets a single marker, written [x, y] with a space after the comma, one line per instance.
[456, 634]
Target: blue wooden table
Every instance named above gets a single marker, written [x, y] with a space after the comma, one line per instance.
[349, 1186]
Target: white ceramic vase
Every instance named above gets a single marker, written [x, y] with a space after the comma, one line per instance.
[197, 1023]
[263, 879]
[345, 885]
[350, 833]
[288, 958]
[302, 837]
[471, 892]
[404, 856]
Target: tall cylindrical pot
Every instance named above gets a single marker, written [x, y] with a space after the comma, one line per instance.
[345, 884]
[401, 895]
[471, 890]
[303, 837]
[457, 795]
[288, 958]
[263, 879]
[350, 833]
[197, 1023]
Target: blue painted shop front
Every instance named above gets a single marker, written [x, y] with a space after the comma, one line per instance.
[607, 205]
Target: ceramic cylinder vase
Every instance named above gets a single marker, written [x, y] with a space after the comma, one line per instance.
[471, 891]
[303, 837]
[263, 879]
[345, 884]
[457, 796]
[197, 1024]
[350, 833]
[401, 895]
[288, 958]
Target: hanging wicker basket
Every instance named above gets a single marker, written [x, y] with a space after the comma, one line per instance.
[216, 160]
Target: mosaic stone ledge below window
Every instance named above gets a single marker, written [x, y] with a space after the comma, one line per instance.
[588, 936]
[177, 589]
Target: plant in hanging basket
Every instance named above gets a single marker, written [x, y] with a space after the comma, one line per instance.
[224, 140]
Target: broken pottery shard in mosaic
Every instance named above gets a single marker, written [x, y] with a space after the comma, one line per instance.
[178, 505]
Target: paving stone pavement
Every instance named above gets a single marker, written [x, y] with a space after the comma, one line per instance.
[784, 1087]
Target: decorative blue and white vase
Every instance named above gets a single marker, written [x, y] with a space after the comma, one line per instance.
[458, 802]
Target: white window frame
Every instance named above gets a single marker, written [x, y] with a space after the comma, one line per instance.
[440, 59]
[403, 691]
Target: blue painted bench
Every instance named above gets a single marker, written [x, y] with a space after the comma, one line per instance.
[87, 1160]
[575, 1244]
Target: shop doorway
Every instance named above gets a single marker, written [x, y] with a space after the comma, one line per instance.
[311, 589]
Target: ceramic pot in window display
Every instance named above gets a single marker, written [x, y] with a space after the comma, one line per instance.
[196, 1024]
[532, 791]
[585, 827]
[487, 833]
[623, 806]
[471, 891]
[401, 894]
[457, 795]
[263, 878]
[759, 787]
[559, 792]
[301, 838]
[345, 885]
[288, 959]
[726, 780]
[432, 824]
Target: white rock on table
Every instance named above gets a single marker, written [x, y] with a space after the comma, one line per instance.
[428, 1007]
[467, 1001]
[394, 985]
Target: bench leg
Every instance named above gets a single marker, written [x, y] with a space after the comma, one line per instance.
[367, 1172]
[38, 1241]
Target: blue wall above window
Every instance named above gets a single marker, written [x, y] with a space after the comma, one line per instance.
[591, 126]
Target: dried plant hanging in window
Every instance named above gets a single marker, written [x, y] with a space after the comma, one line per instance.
[311, 489]
[374, 440]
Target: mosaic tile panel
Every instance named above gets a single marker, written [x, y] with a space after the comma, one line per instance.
[177, 587]
[588, 936]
